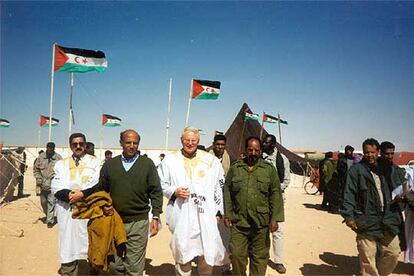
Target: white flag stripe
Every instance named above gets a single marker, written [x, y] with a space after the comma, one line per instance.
[89, 61]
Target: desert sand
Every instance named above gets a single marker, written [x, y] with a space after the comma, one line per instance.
[316, 241]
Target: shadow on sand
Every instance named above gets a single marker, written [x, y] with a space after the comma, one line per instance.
[163, 269]
[345, 265]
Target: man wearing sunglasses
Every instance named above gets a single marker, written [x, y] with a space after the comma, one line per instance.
[73, 174]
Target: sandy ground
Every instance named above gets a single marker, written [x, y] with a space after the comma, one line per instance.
[316, 242]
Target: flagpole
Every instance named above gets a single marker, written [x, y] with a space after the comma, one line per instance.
[241, 137]
[280, 133]
[168, 115]
[189, 104]
[70, 104]
[101, 142]
[38, 137]
[261, 129]
[52, 77]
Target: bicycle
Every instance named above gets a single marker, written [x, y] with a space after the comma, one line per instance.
[312, 186]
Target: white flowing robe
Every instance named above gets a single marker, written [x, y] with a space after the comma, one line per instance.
[73, 234]
[193, 221]
[409, 220]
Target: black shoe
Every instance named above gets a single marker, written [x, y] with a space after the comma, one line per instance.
[280, 268]
[50, 225]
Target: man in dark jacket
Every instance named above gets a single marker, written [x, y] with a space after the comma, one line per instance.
[368, 210]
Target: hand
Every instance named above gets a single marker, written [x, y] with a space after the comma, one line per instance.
[273, 226]
[108, 209]
[75, 196]
[38, 190]
[183, 193]
[121, 250]
[227, 222]
[154, 227]
[352, 224]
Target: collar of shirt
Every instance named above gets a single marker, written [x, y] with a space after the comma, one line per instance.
[128, 163]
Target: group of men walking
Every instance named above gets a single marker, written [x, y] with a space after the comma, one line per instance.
[218, 211]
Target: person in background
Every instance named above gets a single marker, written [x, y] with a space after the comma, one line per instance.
[21, 158]
[43, 171]
[90, 148]
[108, 155]
[282, 166]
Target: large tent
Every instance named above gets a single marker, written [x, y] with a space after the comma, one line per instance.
[241, 129]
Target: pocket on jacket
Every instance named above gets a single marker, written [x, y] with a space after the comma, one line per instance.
[367, 222]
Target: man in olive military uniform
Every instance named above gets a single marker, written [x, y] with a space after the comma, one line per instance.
[253, 206]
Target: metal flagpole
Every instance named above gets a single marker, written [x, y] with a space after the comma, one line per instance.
[280, 133]
[51, 92]
[189, 104]
[261, 129]
[70, 104]
[101, 142]
[241, 137]
[168, 116]
[38, 137]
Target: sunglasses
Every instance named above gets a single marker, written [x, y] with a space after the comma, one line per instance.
[76, 144]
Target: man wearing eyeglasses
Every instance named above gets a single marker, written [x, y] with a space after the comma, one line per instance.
[72, 175]
[192, 180]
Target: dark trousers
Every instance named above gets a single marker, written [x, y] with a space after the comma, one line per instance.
[20, 179]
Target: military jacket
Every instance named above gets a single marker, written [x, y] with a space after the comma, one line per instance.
[253, 198]
[43, 170]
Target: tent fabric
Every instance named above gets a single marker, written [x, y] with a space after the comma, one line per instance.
[236, 139]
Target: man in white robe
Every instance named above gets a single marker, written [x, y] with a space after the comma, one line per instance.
[192, 180]
[72, 175]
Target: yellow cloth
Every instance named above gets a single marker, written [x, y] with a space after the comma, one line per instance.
[104, 232]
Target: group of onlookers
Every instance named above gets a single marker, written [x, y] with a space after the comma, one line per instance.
[371, 195]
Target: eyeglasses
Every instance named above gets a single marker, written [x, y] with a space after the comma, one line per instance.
[76, 144]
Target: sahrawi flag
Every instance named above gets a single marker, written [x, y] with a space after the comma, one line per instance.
[79, 60]
[205, 90]
[4, 123]
[44, 121]
[251, 116]
[110, 121]
[271, 119]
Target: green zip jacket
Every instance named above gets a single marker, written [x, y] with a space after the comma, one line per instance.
[252, 198]
[362, 204]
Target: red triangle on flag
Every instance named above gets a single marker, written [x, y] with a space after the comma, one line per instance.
[42, 120]
[197, 89]
[60, 58]
[104, 119]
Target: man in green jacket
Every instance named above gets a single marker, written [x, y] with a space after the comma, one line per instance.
[369, 211]
[253, 206]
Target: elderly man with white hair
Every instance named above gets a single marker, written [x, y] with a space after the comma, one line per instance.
[192, 180]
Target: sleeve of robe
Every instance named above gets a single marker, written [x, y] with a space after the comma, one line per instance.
[218, 189]
[165, 179]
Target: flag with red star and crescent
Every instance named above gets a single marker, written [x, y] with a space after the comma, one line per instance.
[205, 90]
[79, 60]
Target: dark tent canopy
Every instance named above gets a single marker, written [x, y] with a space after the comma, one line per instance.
[241, 129]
